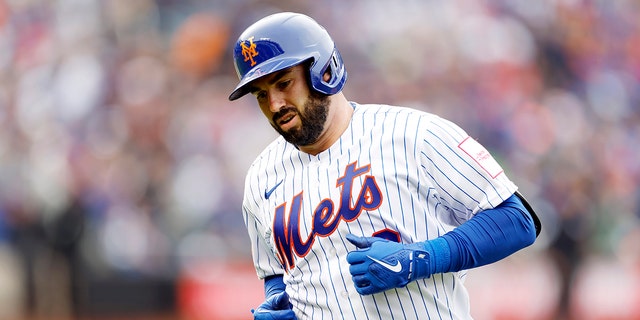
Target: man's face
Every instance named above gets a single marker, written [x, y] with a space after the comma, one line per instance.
[296, 112]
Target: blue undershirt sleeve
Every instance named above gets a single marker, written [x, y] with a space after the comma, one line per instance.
[273, 285]
[487, 237]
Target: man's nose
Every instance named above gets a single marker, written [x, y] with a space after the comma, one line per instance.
[276, 101]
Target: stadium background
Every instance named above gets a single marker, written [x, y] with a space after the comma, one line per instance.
[122, 162]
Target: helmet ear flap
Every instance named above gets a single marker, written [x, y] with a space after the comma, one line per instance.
[338, 75]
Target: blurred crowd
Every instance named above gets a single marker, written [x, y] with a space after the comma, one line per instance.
[122, 160]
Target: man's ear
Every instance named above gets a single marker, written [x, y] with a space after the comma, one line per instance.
[327, 75]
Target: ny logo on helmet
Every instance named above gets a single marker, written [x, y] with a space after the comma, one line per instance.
[249, 51]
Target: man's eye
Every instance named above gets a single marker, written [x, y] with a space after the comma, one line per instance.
[284, 84]
[260, 95]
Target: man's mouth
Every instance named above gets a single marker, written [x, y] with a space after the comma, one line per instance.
[286, 118]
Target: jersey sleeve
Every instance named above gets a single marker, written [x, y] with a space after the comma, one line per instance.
[467, 177]
[264, 259]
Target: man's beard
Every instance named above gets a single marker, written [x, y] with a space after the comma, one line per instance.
[312, 120]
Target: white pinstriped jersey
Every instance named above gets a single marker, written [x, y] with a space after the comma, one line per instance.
[395, 171]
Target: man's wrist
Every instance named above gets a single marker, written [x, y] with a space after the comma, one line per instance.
[439, 255]
[273, 285]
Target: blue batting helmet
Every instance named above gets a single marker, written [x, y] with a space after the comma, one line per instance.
[282, 40]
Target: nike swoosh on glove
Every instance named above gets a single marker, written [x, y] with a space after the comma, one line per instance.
[379, 264]
[276, 307]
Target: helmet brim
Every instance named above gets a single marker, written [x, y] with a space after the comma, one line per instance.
[267, 67]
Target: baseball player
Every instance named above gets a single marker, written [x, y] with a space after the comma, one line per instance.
[363, 211]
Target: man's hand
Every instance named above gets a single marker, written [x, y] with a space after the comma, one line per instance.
[276, 307]
[381, 264]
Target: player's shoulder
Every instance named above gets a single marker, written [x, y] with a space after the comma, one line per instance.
[415, 118]
[381, 108]
[394, 111]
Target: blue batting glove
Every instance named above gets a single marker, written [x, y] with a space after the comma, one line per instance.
[380, 264]
[276, 307]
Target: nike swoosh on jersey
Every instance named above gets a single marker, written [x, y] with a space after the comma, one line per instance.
[394, 268]
[268, 193]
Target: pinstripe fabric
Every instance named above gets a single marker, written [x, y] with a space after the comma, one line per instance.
[394, 169]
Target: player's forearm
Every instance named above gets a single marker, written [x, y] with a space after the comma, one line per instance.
[273, 284]
[489, 236]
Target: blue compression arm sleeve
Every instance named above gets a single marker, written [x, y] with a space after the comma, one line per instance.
[489, 236]
[273, 285]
